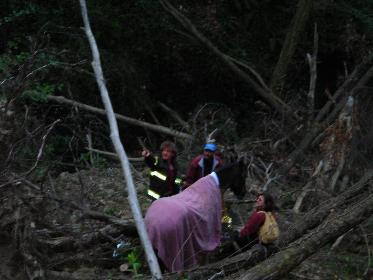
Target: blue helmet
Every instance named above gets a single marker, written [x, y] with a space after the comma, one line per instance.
[210, 147]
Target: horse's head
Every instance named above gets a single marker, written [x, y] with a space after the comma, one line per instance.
[237, 185]
[233, 176]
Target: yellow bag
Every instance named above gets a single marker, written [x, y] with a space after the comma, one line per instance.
[269, 231]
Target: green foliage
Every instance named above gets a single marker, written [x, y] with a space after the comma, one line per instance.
[9, 61]
[135, 263]
[40, 172]
[29, 9]
[110, 211]
[40, 92]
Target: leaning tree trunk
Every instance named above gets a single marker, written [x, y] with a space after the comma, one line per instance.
[336, 225]
[276, 102]
[291, 41]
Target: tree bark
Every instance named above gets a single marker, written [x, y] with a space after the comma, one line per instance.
[313, 217]
[291, 41]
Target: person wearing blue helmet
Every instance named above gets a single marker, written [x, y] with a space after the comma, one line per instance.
[203, 164]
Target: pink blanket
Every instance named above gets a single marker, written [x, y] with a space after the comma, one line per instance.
[185, 225]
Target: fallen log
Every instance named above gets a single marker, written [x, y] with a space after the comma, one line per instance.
[127, 225]
[316, 215]
[334, 226]
[119, 117]
[64, 243]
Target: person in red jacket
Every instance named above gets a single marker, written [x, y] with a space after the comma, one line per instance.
[203, 164]
[248, 235]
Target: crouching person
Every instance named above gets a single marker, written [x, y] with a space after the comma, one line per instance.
[261, 227]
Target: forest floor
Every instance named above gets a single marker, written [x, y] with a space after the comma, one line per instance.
[82, 247]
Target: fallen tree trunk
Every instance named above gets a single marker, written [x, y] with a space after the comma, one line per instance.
[157, 128]
[314, 217]
[336, 225]
[226, 266]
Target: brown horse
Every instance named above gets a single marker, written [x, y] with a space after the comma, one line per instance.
[185, 226]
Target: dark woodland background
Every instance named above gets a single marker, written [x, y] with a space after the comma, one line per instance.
[234, 70]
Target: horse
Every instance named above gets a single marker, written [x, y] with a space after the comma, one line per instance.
[184, 227]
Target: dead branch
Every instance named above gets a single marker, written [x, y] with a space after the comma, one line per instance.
[127, 225]
[307, 188]
[313, 217]
[312, 62]
[255, 74]
[269, 96]
[338, 241]
[114, 155]
[41, 149]
[356, 80]
[157, 128]
[268, 172]
[175, 115]
[228, 265]
[132, 196]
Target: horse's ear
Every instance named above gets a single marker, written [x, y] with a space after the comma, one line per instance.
[231, 155]
[244, 159]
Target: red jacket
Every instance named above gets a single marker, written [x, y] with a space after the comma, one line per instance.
[196, 169]
[253, 225]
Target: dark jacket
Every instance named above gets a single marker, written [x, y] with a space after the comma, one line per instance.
[197, 169]
[163, 180]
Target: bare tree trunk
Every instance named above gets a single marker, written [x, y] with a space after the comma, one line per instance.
[291, 41]
[132, 196]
